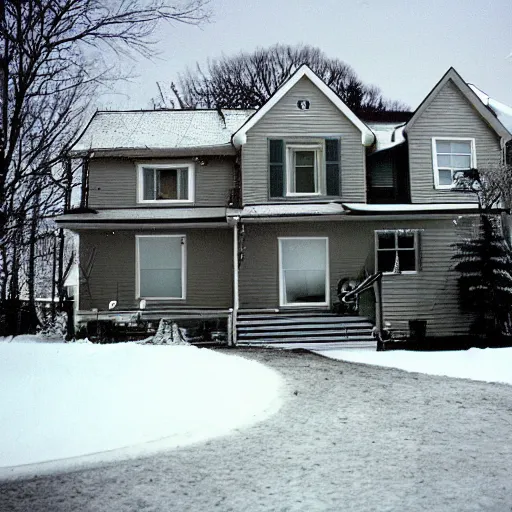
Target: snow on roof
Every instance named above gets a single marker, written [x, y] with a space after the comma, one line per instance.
[503, 112]
[387, 135]
[288, 210]
[409, 208]
[158, 129]
[144, 214]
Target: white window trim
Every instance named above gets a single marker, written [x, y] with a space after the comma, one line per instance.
[282, 297]
[416, 251]
[319, 150]
[183, 267]
[168, 165]
[437, 185]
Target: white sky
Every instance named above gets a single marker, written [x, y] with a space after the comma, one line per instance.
[403, 46]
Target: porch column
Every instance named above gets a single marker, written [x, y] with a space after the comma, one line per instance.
[235, 278]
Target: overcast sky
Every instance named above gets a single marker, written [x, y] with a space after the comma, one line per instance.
[403, 46]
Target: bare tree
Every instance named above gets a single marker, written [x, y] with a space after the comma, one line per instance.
[55, 55]
[247, 80]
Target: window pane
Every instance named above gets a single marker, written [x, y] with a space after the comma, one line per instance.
[167, 184]
[444, 160]
[148, 186]
[305, 180]
[304, 270]
[183, 184]
[305, 158]
[386, 261]
[461, 162]
[160, 260]
[407, 260]
[386, 240]
[445, 177]
[461, 147]
[406, 240]
[443, 146]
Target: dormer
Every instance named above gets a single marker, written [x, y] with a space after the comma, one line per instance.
[303, 145]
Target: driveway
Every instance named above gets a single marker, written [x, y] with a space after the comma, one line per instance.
[349, 437]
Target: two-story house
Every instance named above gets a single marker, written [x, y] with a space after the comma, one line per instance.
[258, 215]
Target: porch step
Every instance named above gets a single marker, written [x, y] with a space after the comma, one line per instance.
[304, 329]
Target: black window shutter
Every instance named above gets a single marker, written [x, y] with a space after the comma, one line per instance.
[276, 166]
[332, 166]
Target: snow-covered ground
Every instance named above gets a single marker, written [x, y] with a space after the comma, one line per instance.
[489, 365]
[60, 401]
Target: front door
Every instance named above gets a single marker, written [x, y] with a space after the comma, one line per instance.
[304, 271]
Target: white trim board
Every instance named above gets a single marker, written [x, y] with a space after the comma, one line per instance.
[367, 136]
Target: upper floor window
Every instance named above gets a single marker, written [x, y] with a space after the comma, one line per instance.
[451, 156]
[305, 168]
[303, 177]
[165, 183]
[397, 251]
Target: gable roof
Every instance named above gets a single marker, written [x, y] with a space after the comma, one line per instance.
[160, 129]
[367, 136]
[503, 112]
[474, 100]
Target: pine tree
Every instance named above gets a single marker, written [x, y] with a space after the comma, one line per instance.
[485, 265]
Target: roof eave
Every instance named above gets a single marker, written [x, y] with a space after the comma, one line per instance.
[240, 136]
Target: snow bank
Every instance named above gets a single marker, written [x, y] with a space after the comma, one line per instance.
[489, 365]
[59, 401]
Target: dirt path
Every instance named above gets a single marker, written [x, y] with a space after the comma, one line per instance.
[348, 438]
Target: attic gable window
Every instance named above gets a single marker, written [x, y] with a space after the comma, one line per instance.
[451, 156]
[165, 183]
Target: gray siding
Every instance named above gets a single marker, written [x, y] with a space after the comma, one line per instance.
[113, 182]
[449, 115]
[209, 268]
[286, 120]
[432, 294]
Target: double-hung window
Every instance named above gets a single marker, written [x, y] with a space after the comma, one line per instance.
[304, 163]
[166, 183]
[451, 156]
[397, 251]
[160, 266]
[305, 168]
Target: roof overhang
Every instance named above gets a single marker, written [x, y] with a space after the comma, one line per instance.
[367, 136]
[488, 116]
[137, 218]
[408, 209]
[223, 150]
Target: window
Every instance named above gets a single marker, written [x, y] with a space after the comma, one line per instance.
[166, 183]
[303, 165]
[451, 156]
[397, 251]
[160, 266]
[305, 168]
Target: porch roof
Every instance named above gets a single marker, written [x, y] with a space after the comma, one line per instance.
[287, 210]
[134, 217]
[390, 209]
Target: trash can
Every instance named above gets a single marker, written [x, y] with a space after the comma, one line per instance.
[418, 330]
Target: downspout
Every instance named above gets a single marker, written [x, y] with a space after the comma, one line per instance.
[236, 220]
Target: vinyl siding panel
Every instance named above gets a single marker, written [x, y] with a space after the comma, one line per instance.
[209, 268]
[432, 294]
[285, 120]
[113, 182]
[449, 115]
